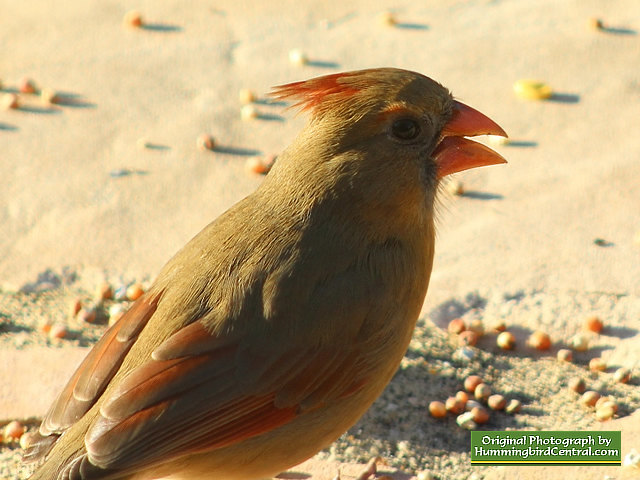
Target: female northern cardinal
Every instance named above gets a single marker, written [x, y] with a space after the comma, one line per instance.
[274, 329]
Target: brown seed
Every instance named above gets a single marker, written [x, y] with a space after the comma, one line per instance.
[506, 341]
[480, 415]
[477, 327]
[589, 398]
[134, 291]
[597, 365]
[205, 142]
[44, 325]
[26, 440]
[482, 391]
[540, 340]
[593, 324]
[496, 402]
[622, 375]
[565, 355]
[104, 292]
[133, 19]
[467, 338]
[87, 314]
[75, 307]
[605, 413]
[462, 396]
[577, 385]
[27, 85]
[9, 101]
[607, 400]
[454, 405]
[471, 382]
[49, 96]
[499, 326]
[13, 430]
[246, 96]
[513, 406]
[456, 326]
[578, 342]
[595, 23]
[260, 165]
[387, 19]
[437, 409]
[58, 331]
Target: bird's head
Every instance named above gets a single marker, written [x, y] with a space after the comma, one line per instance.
[398, 131]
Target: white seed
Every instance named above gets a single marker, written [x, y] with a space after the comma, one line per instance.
[298, 57]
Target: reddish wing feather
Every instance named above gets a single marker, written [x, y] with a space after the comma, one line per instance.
[94, 373]
[203, 401]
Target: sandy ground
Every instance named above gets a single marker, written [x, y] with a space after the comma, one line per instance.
[519, 246]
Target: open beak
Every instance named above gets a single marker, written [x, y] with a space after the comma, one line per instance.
[455, 153]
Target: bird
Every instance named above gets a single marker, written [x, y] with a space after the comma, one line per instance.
[274, 329]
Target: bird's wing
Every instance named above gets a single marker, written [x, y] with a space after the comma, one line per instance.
[207, 392]
[93, 375]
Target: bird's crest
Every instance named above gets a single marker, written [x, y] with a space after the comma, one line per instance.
[318, 94]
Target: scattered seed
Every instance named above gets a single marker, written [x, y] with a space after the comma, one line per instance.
[607, 400]
[565, 355]
[579, 342]
[468, 338]
[593, 324]
[466, 421]
[471, 404]
[248, 112]
[577, 385]
[498, 140]
[482, 391]
[480, 415]
[595, 23]
[477, 327]
[456, 326]
[540, 340]
[605, 413]
[74, 308]
[246, 96]
[622, 375]
[387, 19]
[298, 57]
[513, 406]
[120, 293]
[13, 430]
[260, 165]
[133, 19]
[26, 439]
[590, 398]
[597, 365]
[87, 314]
[499, 326]
[631, 459]
[462, 396]
[49, 96]
[205, 142]
[437, 409]
[27, 85]
[532, 89]
[134, 291]
[58, 331]
[496, 402]
[9, 101]
[601, 242]
[45, 325]
[455, 187]
[425, 475]
[104, 292]
[453, 405]
[506, 341]
[471, 382]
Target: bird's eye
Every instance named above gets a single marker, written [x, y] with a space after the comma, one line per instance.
[405, 129]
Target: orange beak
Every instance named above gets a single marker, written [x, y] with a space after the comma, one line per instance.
[455, 153]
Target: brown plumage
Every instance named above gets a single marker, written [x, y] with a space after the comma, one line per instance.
[274, 329]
